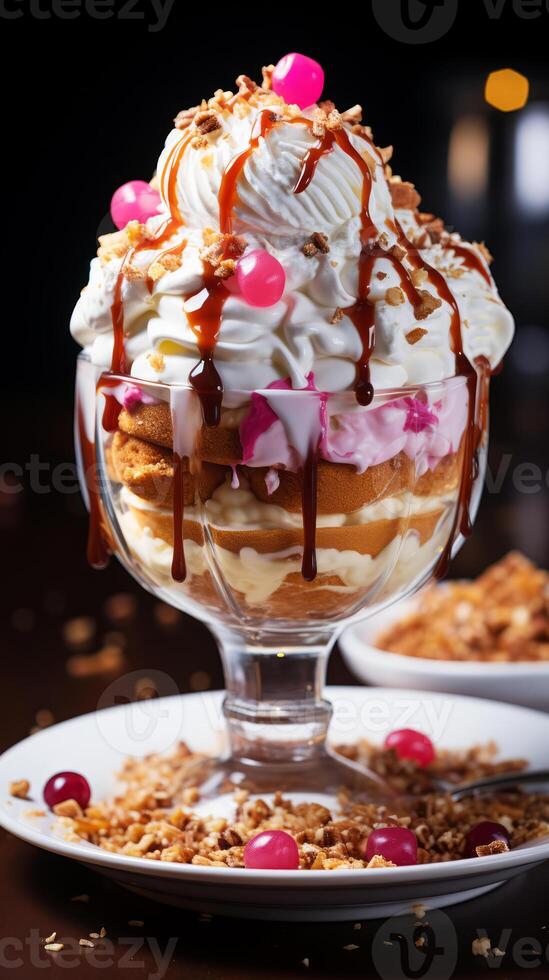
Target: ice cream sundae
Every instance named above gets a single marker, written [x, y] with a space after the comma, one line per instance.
[294, 359]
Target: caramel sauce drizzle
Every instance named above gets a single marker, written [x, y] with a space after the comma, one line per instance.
[477, 377]
[227, 191]
[97, 547]
[362, 314]
[470, 259]
[178, 570]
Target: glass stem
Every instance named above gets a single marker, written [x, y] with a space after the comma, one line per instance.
[274, 707]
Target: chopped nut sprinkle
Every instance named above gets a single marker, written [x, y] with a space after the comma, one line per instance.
[152, 818]
[403, 194]
[502, 616]
[494, 847]
[415, 335]
[428, 305]
[395, 296]
[317, 242]
[20, 788]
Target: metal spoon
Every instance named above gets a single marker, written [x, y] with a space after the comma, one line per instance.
[502, 781]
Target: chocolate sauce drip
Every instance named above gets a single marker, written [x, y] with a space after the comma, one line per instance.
[362, 314]
[97, 549]
[309, 481]
[206, 323]
[179, 571]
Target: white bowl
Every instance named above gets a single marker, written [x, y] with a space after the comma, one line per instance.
[517, 683]
[96, 745]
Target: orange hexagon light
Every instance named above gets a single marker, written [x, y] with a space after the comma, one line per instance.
[507, 90]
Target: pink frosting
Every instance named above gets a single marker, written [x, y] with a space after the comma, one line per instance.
[426, 431]
[133, 395]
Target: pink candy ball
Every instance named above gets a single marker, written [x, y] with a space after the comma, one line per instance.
[409, 744]
[273, 850]
[396, 844]
[298, 80]
[261, 278]
[134, 201]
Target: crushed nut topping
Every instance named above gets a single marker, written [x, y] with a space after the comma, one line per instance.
[337, 315]
[317, 242]
[485, 252]
[20, 789]
[156, 361]
[325, 121]
[246, 85]
[386, 153]
[419, 276]
[222, 251]
[206, 122]
[185, 117]
[378, 861]
[353, 115]
[267, 73]
[415, 335]
[398, 252]
[428, 305]
[150, 818]
[68, 808]
[403, 194]
[502, 616]
[395, 296]
[481, 947]
[494, 847]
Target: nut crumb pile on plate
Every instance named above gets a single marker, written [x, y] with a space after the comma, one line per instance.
[152, 818]
[503, 616]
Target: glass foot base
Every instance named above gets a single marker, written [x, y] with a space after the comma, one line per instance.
[327, 779]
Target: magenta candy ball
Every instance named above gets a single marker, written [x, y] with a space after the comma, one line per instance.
[134, 201]
[261, 278]
[396, 844]
[484, 833]
[67, 786]
[409, 744]
[298, 80]
[273, 850]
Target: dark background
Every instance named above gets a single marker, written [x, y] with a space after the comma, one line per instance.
[86, 106]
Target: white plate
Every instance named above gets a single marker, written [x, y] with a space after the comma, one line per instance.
[96, 745]
[517, 683]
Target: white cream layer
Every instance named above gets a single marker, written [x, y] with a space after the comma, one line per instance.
[239, 509]
[257, 576]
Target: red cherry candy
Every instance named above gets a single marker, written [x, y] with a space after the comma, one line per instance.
[272, 850]
[396, 844]
[261, 278]
[67, 786]
[298, 79]
[409, 744]
[484, 833]
[134, 201]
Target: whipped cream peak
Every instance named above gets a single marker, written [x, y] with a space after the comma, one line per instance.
[378, 295]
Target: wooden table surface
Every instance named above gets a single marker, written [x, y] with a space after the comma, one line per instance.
[46, 583]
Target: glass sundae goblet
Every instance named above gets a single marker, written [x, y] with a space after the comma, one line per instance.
[296, 514]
